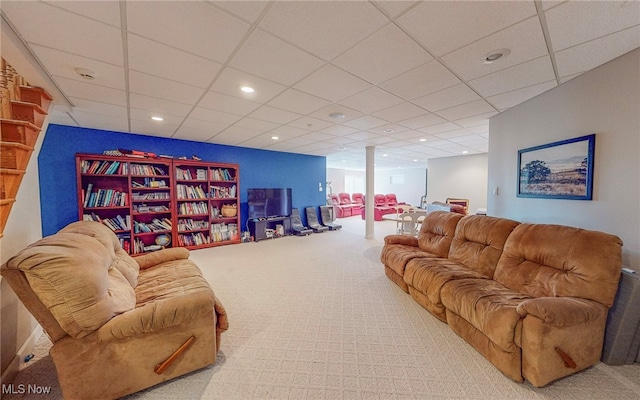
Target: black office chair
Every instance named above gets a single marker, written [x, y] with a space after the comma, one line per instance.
[296, 224]
[312, 220]
[326, 220]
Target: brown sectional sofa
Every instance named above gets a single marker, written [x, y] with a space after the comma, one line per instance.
[532, 298]
[118, 324]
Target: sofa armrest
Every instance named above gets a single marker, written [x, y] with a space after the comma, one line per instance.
[401, 239]
[562, 311]
[157, 315]
[158, 257]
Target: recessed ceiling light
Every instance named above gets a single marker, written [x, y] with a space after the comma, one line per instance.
[157, 118]
[495, 55]
[86, 73]
[423, 140]
[275, 137]
[415, 160]
[384, 155]
[337, 115]
[465, 151]
[388, 130]
[247, 89]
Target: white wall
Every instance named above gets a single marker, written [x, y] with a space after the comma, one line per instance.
[460, 177]
[604, 101]
[408, 184]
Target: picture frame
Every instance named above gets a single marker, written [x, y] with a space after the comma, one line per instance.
[558, 170]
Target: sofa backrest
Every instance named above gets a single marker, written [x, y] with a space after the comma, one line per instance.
[543, 260]
[380, 200]
[74, 278]
[479, 240]
[345, 198]
[437, 231]
[357, 198]
[391, 199]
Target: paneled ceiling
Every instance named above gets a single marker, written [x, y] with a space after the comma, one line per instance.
[410, 78]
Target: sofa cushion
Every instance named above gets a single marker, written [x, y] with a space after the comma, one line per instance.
[552, 260]
[437, 231]
[396, 256]
[124, 263]
[479, 240]
[73, 276]
[489, 306]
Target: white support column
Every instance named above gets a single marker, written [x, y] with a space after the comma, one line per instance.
[369, 203]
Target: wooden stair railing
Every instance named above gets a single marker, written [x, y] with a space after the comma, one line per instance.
[23, 110]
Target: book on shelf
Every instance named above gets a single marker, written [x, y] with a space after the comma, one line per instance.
[147, 169]
[221, 174]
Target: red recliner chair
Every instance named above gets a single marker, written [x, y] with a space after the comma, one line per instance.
[392, 200]
[380, 207]
[357, 201]
[342, 210]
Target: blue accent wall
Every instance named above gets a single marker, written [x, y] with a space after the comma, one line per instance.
[258, 168]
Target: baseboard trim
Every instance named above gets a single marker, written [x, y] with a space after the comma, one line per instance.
[10, 373]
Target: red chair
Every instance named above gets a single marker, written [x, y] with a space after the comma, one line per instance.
[392, 200]
[357, 201]
[345, 201]
[342, 210]
[380, 207]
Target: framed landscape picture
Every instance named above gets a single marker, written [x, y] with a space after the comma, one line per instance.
[559, 170]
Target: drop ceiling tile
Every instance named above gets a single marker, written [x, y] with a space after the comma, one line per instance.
[297, 101]
[285, 146]
[466, 110]
[316, 136]
[460, 135]
[288, 132]
[591, 54]
[229, 104]
[510, 99]
[65, 31]
[154, 58]
[96, 107]
[523, 75]
[378, 140]
[153, 86]
[200, 131]
[388, 129]
[395, 8]
[476, 120]
[383, 55]
[62, 119]
[339, 130]
[271, 58]
[151, 128]
[230, 80]
[452, 96]
[484, 128]
[205, 114]
[159, 106]
[400, 112]
[324, 113]
[61, 64]
[362, 135]
[310, 123]
[101, 121]
[255, 124]
[572, 23]
[103, 11]
[525, 41]
[259, 141]
[420, 81]
[422, 121]
[436, 129]
[228, 139]
[219, 32]
[234, 134]
[275, 115]
[365, 122]
[331, 83]
[246, 10]
[371, 100]
[340, 24]
[409, 135]
[444, 26]
[88, 91]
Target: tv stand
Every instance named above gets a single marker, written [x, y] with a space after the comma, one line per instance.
[259, 228]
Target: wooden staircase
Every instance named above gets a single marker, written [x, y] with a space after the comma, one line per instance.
[22, 113]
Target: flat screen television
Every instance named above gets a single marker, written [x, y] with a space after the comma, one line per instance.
[269, 203]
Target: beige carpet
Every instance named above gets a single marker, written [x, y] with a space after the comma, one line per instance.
[316, 318]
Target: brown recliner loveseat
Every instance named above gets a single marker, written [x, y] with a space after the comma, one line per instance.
[532, 298]
[118, 324]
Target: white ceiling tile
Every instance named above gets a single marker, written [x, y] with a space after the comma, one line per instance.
[339, 130]
[63, 119]
[325, 112]
[205, 114]
[480, 128]
[103, 11]
[310, 123]
[235, 133]
[439, 128]
[383, 55]
[203, 130]
[246, 10]
[288, 131]
[525, 41]
[422, 121]
[160, 106]
[572, 22]
[166, 62]
[297, 101]
[230, 80]
[388, 129]
[275, 115]
[420, 81]
[371, 100]
[151, 128]
[259, 141]
[61, 64]
[101, 121]
[362, 135]
[281, 146]
[229, 104]
[341, 24]
[331, 83]
[517, 77]
[466, 110]
[316, 137]
[409, 135]
[205, 30]
[444, 26]
[153, 86]
[88, 91]
[96, 107]
[65, 31]
[365, 122]
[457, 136]
[271, 58]
[395, 7]
[510, 99]
[446, 98]
[589, 55]
[476, 120]
[400, 112]
[255, 124]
